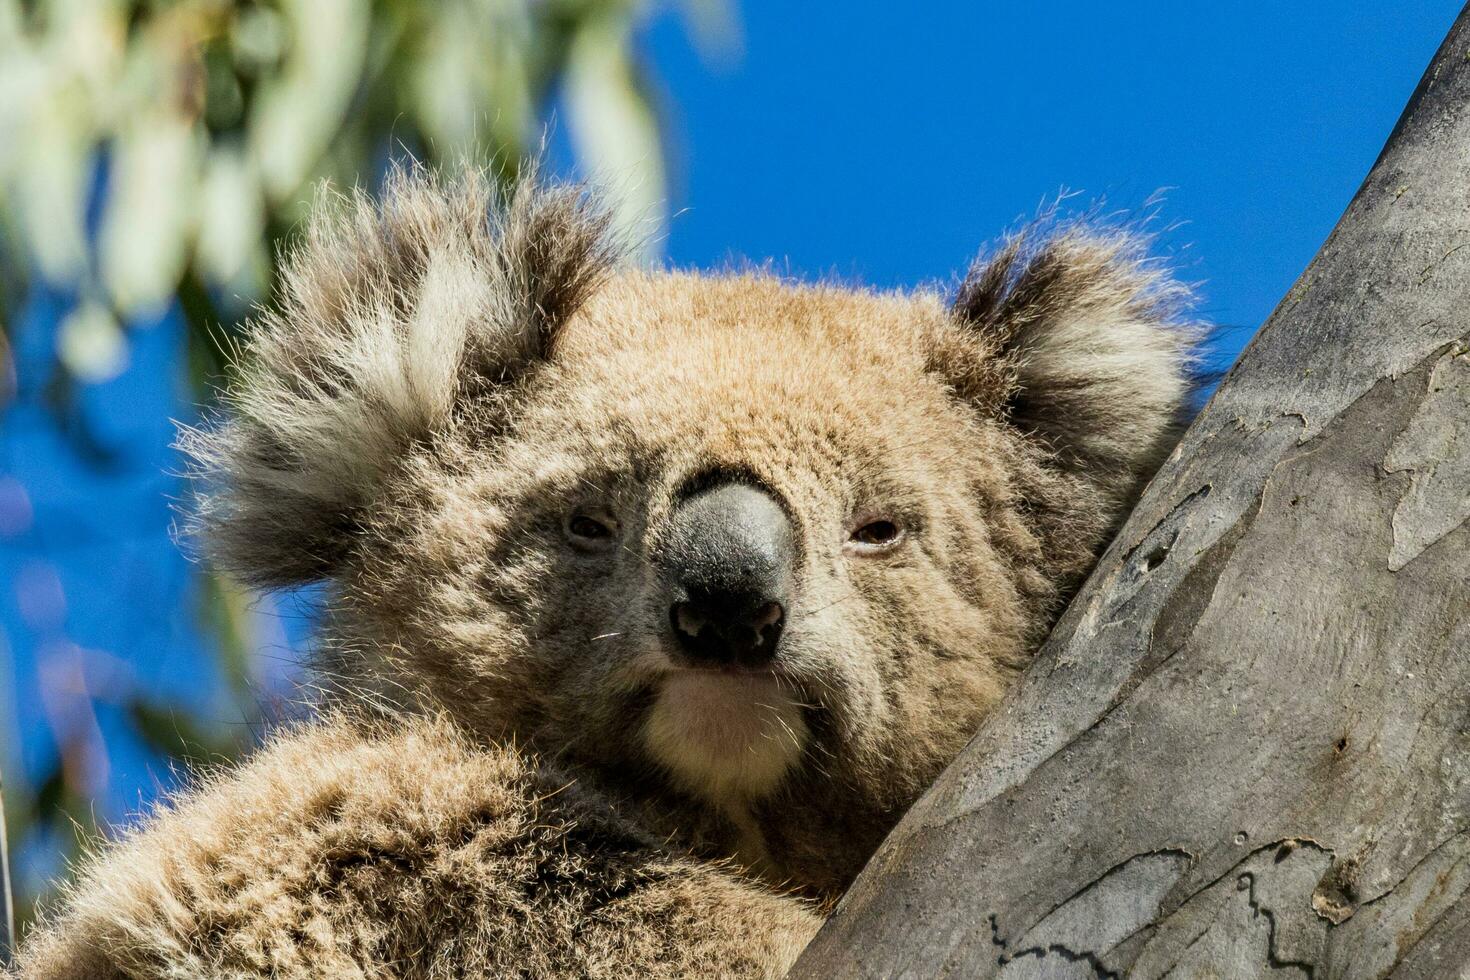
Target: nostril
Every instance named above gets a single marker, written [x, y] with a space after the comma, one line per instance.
[728, 637]
[687, 620]
[770, 614]
[765, 629]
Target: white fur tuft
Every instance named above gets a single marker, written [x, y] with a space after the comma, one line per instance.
[391, 315]
[1098, 346]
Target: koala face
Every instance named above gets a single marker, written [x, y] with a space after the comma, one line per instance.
[762, 553]
[731, 526]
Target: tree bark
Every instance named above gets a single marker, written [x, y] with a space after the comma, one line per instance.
[1246, 746]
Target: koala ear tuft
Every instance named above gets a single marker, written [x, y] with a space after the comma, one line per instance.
[390, 315]
[1098, 350]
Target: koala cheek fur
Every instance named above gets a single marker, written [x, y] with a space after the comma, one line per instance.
[488, 438]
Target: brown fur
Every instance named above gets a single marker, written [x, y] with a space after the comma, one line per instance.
[352, 851]
[437, 394]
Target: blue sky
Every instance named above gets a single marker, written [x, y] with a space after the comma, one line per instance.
[889, 146]
[842, 139]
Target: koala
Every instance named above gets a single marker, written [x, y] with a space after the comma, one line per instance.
[653, 598]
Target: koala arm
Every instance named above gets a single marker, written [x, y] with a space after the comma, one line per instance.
[349, 851]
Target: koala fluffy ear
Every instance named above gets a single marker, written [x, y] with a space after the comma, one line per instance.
[391, 314]
[1093, 350]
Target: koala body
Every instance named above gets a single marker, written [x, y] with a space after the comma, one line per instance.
[655, 598]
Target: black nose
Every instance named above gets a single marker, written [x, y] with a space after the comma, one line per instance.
[728, 558]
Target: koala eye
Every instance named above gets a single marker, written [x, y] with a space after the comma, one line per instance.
[875, 536]
[589, 533]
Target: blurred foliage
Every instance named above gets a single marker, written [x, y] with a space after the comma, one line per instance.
[154, 154]
[212, 119]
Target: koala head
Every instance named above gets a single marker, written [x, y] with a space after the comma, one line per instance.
[757, 554]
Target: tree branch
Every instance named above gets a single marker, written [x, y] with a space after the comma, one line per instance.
[1246, 746]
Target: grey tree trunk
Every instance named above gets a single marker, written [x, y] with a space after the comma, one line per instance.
[1246, 747]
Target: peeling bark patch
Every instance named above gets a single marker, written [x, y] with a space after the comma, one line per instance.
[1434, 449]
[1336, 896]
[1195, 592]
[1026, 963]
[1025, 966]
[1397, 927]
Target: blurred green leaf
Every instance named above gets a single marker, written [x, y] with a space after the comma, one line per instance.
[300, 109]
[51, 187]
[91, 343]
[615, 128]
[715, 27]
[224, 609]
[232, 214]
[466, 63]
[151, 206]
[259, 38]
[174, 734]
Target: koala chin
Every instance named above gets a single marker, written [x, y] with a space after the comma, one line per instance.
[728, 738]
[652, 598]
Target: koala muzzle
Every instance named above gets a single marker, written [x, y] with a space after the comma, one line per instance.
[727, 561]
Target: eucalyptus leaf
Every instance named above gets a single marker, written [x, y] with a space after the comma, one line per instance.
[615, 130]
[302, 108]
[50, 192]
[232, 215]
[175, 734]
[150, 210]
[715, 27]
[91, 343]
[259, 38]
[455, 73]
